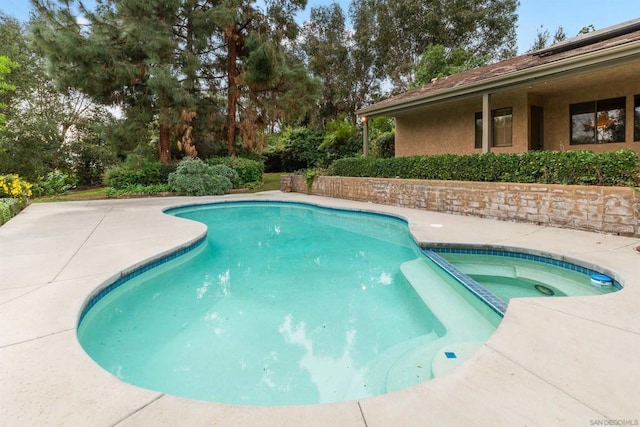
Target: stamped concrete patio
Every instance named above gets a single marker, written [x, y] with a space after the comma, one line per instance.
[554, 361]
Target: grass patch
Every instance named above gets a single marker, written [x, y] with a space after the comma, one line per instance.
[270, 181]
[86, 194]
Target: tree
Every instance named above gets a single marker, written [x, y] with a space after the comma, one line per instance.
[126, 55]
[173, 62]
[543, 37]
[403, 30]
[6, 65]
[342, 59]
[253, 53]
[438, 62]
[325, 43]
[41, 124]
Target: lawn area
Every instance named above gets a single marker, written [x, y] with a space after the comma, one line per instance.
[270, 181]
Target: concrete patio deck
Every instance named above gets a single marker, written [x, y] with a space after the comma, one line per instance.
[552, 361]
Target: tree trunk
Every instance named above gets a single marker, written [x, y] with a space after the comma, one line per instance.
[232, 95]
[164, 144]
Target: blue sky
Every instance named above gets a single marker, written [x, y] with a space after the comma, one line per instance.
[571, 14]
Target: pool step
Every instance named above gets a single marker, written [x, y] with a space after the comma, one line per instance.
[429, 360]
[450, 306]
[373, 379]
[452, 309]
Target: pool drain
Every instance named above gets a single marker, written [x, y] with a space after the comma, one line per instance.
[544, 290]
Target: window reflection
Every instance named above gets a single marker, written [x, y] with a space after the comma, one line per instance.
[598, 122]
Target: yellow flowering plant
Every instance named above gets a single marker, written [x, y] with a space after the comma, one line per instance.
[11, 186]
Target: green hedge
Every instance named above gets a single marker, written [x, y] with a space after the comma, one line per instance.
[548, 167]
[249, 171]
[10, 208]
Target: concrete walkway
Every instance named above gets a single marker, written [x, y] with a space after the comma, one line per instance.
[552, 361]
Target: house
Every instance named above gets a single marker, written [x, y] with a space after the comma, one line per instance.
[583, 93]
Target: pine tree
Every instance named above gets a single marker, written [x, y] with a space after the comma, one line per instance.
[125, 55]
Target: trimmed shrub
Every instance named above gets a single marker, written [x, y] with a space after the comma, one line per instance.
[137, 173]
[547, 167]
[249, 171]
[194, 177]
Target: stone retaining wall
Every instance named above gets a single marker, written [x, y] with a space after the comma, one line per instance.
[614, 210]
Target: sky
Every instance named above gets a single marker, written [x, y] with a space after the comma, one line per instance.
[572, 15]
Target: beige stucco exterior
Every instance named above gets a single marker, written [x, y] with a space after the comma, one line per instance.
[449, 126]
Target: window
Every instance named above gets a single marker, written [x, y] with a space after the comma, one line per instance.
[636, 118]
[502, 120]
[502, 128]
[478, 130]
[598, 122]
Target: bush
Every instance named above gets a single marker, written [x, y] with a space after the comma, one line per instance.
[384, 146]
[547, 167]
[295, 149]
[12, 186]
[342, 139]
[56, 182]
[137, 173]
[194, 177]
[10, 208]
[249, 171]
[230, 174]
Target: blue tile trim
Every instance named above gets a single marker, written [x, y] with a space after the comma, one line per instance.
[479, 291]
[226, 203]
[122, 279]
[520, 255]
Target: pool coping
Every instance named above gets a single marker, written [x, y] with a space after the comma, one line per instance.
[575, 357]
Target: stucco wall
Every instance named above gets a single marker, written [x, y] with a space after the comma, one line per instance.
[450, 128]
[557, 117]
[613, 210]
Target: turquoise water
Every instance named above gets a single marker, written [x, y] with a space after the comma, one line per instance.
[508, 277]
[284, 304]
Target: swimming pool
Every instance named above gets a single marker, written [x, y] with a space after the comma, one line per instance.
[286, 304]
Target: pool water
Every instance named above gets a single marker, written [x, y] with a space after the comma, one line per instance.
[286, 304]
[512, 277]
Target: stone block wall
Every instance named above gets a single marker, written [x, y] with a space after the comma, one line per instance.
[614, 210]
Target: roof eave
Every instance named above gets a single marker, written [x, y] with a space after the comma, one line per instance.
[591, 61]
